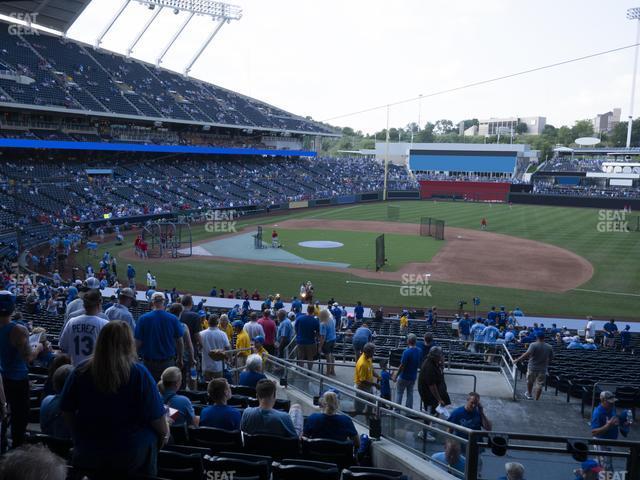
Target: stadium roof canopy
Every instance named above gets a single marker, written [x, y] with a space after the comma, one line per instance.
[58, 15]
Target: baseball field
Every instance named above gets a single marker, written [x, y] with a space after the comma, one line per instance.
[546, 260]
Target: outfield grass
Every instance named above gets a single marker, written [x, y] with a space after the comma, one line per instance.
[615, 257]
[359, 247]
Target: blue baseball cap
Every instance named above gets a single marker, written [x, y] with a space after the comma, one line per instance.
[7, 302]
[591, 466]
[237, 324]
[259, 339]
[202, 313]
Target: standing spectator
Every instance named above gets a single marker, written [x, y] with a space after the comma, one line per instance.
[253, 372]
[159, 338]
[364, 377]
[114, 409]
[120, 310]
[385, 379]
[218, 414]
[328, 339]
[625, 338]
[477, 333]
[263, 419]
[213, 339]
[191, 320]
[464, 328]
[225, 325]
[610, 330]
[284, 334]
[471, 415]
[307, 329]
[426, 345]
[51, 418]
[408, 371]
[80, 334]
[269, 328]
[76, 307]
[605, 424]
[432, 386]
[361, 337]
[330, 424]
[590, 329]
[253, 328]
[243, 343]
[131, 276]
[168, 387]
[359, 312]
[540, 356]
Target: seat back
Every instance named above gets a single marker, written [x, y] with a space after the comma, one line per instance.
[179, 466]
[243, 465]
[292, 469]
[271, 445]
[216, 439]
[60, 446]
[368, 473]
[243, 390]
[337, 452]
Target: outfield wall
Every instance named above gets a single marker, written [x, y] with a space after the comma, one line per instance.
[477, 191]
[569, 201]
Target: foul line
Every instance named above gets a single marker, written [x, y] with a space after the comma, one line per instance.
[609, 293]
[373, 283]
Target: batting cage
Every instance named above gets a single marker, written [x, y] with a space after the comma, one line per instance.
[393, 213]
[381, 258]
[168, 239]
[432, 227]
[257, 239]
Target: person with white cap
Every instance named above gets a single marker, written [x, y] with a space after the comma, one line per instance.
[514, 471]
[76, 307]
[158, 336]
[80, 333]
[120, 310]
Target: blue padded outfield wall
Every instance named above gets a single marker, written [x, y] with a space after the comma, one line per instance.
[463, 162]
[139, 147]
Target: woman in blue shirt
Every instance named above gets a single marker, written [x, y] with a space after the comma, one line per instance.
[168, 386]
[219, 415]
[253, 372]
[113, 407]
[331, 424]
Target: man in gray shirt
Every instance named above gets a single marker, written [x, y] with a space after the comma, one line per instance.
[264, 419]
[540, 355]
[120, 310]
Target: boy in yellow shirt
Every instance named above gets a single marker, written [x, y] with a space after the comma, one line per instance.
[364, 376]
[243, 342]
[404, 322]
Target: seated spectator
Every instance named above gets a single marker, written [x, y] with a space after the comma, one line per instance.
[575, 343]
[514, 471]
[30, 462]
[51, 418]
[59, 360]
[253, 372]
[330, 424]
[589, 470]
[263, 419]
[168, 386]
[113, 407]
[451, 457]
[219, 415]
[471, 415]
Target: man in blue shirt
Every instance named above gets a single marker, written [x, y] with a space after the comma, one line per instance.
[131, 276]
[464, 328]
[296, 305]
[284, 334]
[359, 311]
[408, 371]
[307, 331]
[361, 337]
[610, 330]
[606, 424]
[263, 419]
[625, 338]
[219, 414]
[490, 334]
[502, 317]
[471, 415]
[477, 333]
[158, 335]
[492, 316]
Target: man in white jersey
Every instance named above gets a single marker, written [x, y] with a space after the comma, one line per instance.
[78, 338]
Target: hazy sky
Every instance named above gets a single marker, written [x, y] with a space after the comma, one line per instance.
[327, 58]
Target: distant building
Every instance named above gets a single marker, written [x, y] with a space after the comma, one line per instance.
[493, 126]
[605, 122]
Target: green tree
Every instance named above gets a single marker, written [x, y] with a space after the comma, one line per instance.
[582, 128]
[521, 128]
[618, 136]
[444, 126]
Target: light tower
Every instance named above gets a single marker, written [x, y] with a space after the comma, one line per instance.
[633, 14]
[221, 13]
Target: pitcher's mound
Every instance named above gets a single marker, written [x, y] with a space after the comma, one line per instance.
[320, 244]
